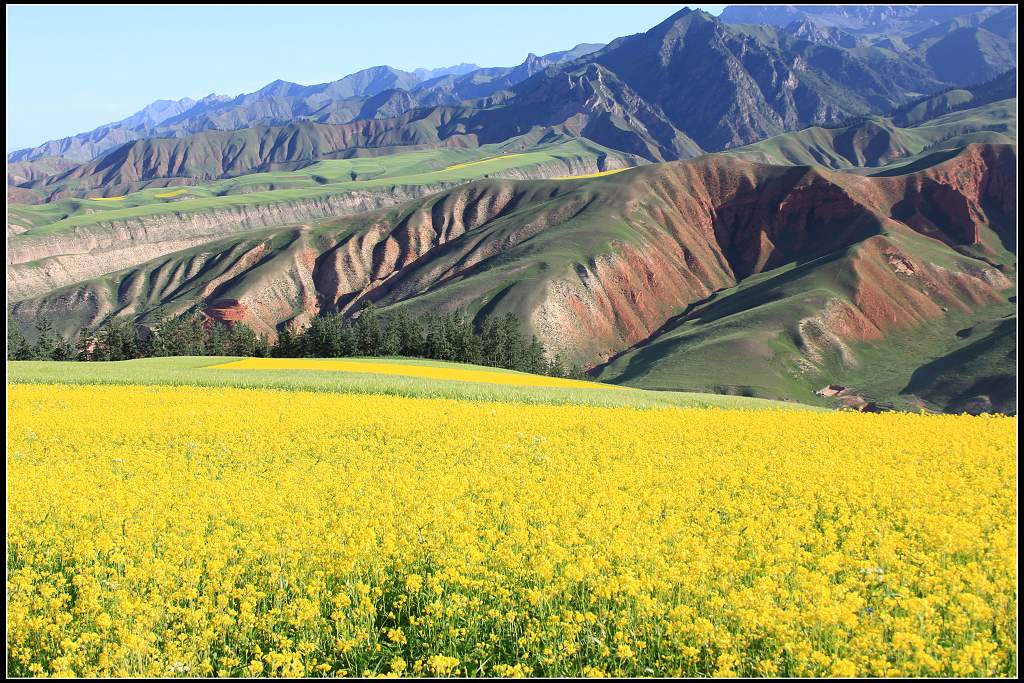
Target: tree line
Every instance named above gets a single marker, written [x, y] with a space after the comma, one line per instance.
[498, 342]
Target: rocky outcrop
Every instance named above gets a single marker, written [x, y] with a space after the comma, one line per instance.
[976, 188]
[38, 263]
[711, 225]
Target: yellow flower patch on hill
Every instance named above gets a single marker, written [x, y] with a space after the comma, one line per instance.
[383, 367]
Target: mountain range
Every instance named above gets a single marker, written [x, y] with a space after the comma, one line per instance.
[874, 20]
[818, 195]
[364, 94]
[628, 92]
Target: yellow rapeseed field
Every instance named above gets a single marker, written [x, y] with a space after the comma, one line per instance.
[172, 193]
[383, 367]
[455, 167]
[198, 531]
[593, 175]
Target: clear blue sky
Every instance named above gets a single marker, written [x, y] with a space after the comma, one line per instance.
[72, 68]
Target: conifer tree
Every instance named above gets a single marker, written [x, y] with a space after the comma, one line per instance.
[513, 346]
[534, 357]
[242, 341]
[17, 346]
[391, 344]
[287, 345]
[409, 333]
[85, 344]
[116, 340]
[556, 368]
[368, 334]
[218, 339]
[46, 340]
[492, 343]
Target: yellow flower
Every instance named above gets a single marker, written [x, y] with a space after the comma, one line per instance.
[149, 527]
[843, 668]
[441, 665]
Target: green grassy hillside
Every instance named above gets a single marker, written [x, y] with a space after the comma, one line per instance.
[918, 111]
[978, 372]
[319, 179]
[877, 142]
[756, 339]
